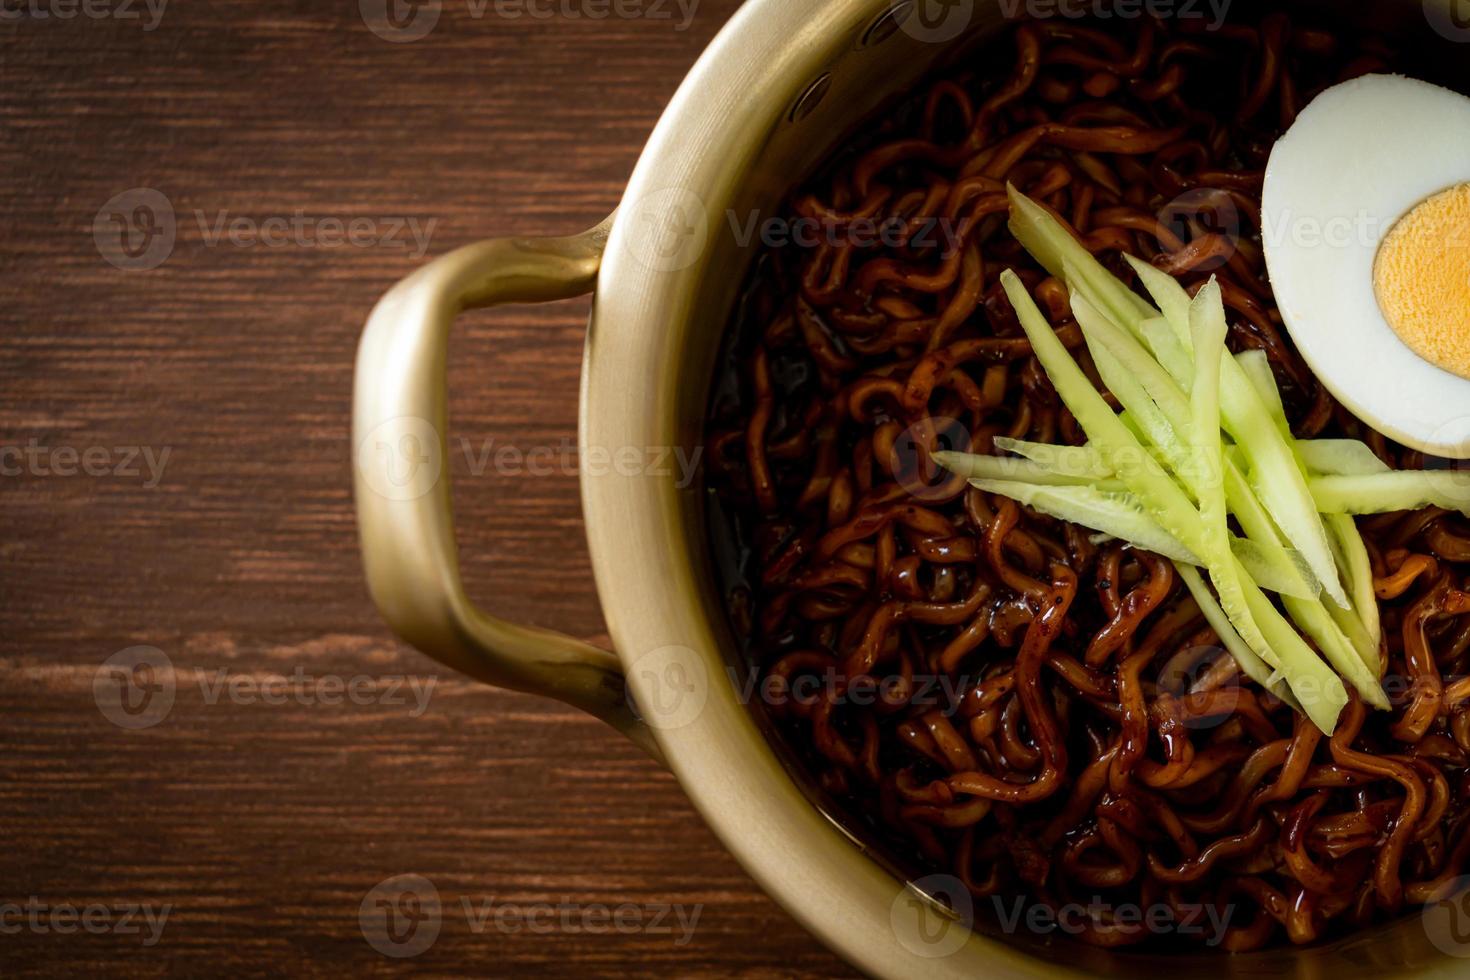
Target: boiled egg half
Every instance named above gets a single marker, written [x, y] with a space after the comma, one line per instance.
[1366, 228]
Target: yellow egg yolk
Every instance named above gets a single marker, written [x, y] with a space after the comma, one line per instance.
[1422, 278]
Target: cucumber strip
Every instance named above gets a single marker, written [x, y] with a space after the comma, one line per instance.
[1208, 329]
[1116, 515]
[1198, 470]
[1358, 572]
[1084, 462]
[1313, 618]
[1271, 458]
[1276, 471]
[1276, 570]
[1010, 469]
[1386, 493]
[1151, 397]
[1107, 507]
[1167, 503]
[1164, 500]
[1337, 632]
[1262, 531]
[1274, 567]
[1356, 631]
[1320, 691]
[1170, 297]
[1152, 425]
[1051, 244]
[1250, 664]
[1257, 368]
[1340, 457]
[1171, 354]
[1099, 330]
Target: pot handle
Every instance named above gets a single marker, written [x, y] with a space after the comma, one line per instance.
[401, 476]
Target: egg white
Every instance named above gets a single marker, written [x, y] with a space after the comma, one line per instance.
[1358, 159]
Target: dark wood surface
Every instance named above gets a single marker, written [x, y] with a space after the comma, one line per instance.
[261, 826]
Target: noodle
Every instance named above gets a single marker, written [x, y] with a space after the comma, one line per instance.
[1097, 742]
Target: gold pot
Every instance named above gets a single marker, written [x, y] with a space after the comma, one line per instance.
[783, 83]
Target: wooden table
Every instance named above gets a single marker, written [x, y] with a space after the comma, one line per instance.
[294, 771]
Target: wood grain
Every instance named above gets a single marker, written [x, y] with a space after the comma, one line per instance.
[263, 826]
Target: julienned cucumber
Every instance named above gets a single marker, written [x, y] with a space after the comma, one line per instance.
[1318, 690]
[1179, 481]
